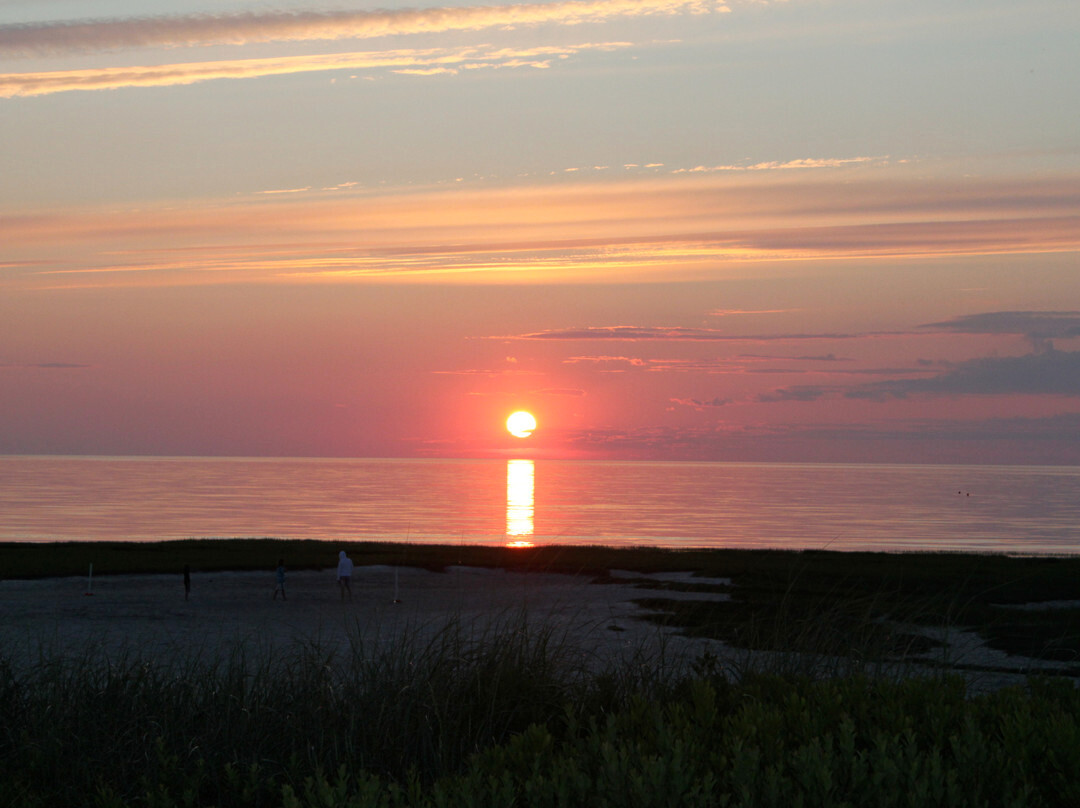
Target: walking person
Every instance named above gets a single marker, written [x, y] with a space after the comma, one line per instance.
[344, 573]
[279, 573]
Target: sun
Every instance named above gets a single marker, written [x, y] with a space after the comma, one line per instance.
[521, 424]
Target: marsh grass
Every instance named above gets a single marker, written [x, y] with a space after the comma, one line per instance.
[877, 611]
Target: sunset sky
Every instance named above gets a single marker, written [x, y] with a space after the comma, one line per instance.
[795, 230]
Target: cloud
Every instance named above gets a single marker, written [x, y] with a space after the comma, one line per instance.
[45, 366]
[1045, 373]
[698, 404]
[81, 36]
[1051, 372]
[787, 165]
[632, 361]
[1040, 327]
[561, 231]
[573, 392]
[732, 312]
[628, 333]
[796, 393]
[822, 358]
[487, 372]
[421, 62]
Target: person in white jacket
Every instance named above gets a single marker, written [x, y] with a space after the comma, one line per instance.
[344, 573]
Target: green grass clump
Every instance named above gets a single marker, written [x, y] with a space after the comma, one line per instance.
[514, 717]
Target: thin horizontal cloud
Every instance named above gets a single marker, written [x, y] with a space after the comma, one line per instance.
[733, 312]
[572, 392]
[1054, 373]
[1048, 372]
[81, 36]
[1040, 327]
[820, 358]
[624, 364]
[632, 361]
[420, 62]
[628, 333]
[558, 231]
[795, 393]
[44, 366]
[785, 165]
[699, 404]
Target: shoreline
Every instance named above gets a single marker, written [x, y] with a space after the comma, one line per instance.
[73, 558]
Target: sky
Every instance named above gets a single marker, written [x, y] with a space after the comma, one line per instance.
[752, 230]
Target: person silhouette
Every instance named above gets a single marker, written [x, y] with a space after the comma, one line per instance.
[344, 573]
[279, 574]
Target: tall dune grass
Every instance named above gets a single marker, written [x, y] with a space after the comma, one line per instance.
[514, 715]
[119, 724]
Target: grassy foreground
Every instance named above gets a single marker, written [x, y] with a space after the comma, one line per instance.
[515, 718]
[509, 720]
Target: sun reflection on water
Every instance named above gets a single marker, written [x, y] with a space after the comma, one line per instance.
[519, 501]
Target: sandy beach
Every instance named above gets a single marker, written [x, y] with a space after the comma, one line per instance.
[147, 615]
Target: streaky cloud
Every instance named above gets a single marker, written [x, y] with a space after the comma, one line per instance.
[564, 230]
[572, 392]
[419, 62]
[786, 165]
[82, 36]
[628, 333]
[1048, 372]
[699, 404]
[1040, 327]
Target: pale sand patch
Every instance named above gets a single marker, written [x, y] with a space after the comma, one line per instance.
[147, 614]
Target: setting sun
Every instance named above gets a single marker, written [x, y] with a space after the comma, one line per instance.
[521, 424]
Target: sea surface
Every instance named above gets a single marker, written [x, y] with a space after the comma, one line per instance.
[1001, 509]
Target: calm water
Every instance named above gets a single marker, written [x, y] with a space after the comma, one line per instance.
[1013, 509]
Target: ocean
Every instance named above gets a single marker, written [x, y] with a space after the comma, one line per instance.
[1000, 509]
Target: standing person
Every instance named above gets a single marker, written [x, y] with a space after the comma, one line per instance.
[280, 575]
[187, 581]
[344, 573]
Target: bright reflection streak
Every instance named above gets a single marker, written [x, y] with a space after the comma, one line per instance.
[519, 497]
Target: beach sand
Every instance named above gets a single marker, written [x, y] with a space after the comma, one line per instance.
[147, 616]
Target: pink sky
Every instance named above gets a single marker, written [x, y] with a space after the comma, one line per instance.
[669, 229]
